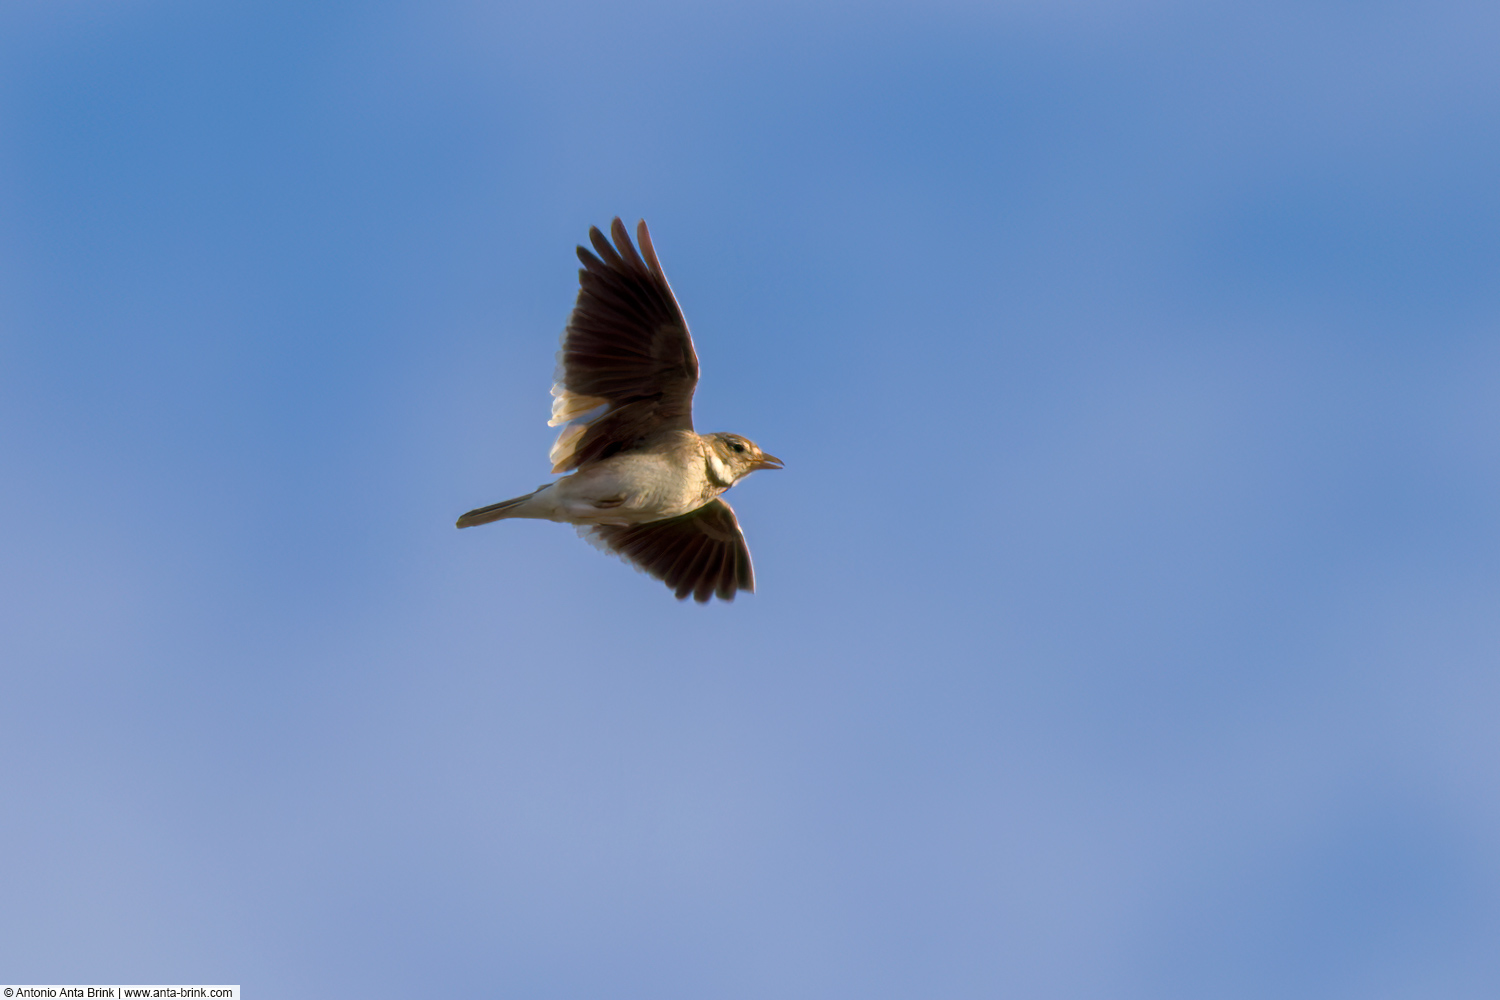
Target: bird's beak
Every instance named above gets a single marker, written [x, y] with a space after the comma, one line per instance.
[767, 462]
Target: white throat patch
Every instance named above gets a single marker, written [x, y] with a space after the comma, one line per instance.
[719, 472]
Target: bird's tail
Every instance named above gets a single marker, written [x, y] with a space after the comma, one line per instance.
[494, 512]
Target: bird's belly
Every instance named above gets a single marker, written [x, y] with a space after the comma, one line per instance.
[627, 489]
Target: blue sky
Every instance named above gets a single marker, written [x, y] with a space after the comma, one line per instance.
[1127, 622]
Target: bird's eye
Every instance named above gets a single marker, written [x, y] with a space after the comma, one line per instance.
[736, 446]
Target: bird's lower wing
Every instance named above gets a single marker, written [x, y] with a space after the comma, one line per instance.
[702, 553]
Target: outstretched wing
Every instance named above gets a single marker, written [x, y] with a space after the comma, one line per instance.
[626, 353]
[701, 553]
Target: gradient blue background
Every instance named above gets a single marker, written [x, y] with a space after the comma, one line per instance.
[1129, 614]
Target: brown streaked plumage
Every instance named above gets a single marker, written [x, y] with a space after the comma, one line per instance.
[644, 484]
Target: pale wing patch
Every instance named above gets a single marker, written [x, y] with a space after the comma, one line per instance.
[565, 445]
[571, 405]
[578, 411]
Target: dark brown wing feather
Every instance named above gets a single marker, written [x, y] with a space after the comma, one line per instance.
[626, 344]
[702, 553]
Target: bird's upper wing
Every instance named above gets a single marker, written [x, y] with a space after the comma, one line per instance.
[626, 353]
[702, 553]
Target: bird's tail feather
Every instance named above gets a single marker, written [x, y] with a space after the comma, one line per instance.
[494, 512]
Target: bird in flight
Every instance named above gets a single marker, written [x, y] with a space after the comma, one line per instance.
[644, 485]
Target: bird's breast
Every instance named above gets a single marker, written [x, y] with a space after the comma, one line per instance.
[643, 485]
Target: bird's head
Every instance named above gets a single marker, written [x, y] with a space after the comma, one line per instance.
[732, 457]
